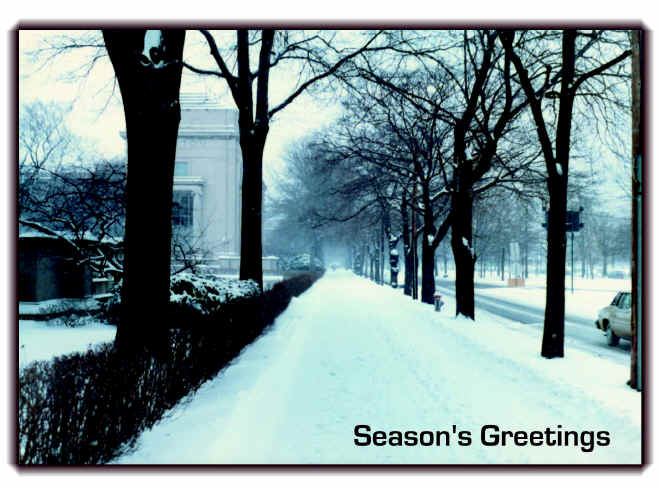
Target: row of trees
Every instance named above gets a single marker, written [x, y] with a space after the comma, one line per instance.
[434, 120]
[457, 120]
[148, 67]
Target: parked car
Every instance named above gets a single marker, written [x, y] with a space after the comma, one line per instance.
[614, 319]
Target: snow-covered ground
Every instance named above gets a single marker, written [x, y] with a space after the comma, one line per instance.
[348, 352]
[583, 303]
[588, 296]
[43, 340]
[46, 339]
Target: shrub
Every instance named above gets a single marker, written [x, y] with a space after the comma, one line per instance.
[86, 408]
[204, 293]
[208, 293]
[302, 262]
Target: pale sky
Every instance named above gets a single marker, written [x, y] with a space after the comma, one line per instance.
[97, 113]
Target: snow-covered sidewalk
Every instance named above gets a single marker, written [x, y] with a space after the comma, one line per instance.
[348, 352]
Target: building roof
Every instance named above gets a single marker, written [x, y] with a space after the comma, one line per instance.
[198, 101]
[29, 229]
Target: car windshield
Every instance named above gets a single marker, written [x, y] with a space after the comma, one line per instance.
[625, 301]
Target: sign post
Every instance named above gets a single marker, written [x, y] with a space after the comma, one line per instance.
[572, 225]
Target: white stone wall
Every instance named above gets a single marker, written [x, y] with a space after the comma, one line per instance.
[208, 142]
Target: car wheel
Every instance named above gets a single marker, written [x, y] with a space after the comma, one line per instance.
[612, 339]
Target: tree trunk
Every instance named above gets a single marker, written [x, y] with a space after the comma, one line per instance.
[428, 248]
[553, 330]
[553, 327]
[461, 230]
[253, 133]
[461, 236]
[415, 258]
[252, 149]
[377, 263]
[391, 247]
[428, 266]
[394, 266]
[148, 67]
[407, 249]
[372, 270]
[381, 253]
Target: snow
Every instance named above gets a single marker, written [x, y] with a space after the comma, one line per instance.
[348, 352]
[152, 40]
[44, 340]
[467, 245]
[588, 297]
[207, 293]
[56, 305]
[582, 303]
[559, 169]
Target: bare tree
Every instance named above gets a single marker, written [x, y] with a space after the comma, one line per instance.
[62, 188]
[465, 90]
[316, 57]
[318, 197]
[557, 154]
[44, 142]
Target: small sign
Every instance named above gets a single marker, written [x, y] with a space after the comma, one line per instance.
[572, 221]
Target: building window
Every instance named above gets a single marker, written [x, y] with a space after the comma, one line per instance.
[182, 209]
[181, 169]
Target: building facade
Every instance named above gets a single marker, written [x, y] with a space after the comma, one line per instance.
[207, 178]
[207, 184]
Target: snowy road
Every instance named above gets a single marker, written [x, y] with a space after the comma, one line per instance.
[581, 333]
[511, 310]
[348, 352]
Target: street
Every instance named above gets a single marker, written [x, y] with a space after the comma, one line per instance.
[580, 332]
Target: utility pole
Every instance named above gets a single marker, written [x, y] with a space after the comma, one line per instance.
[637, 264]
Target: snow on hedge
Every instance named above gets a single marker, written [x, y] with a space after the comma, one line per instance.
[208, 293]
[302, 262]
[44, 340]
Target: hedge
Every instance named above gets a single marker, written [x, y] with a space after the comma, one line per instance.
[87, 408]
